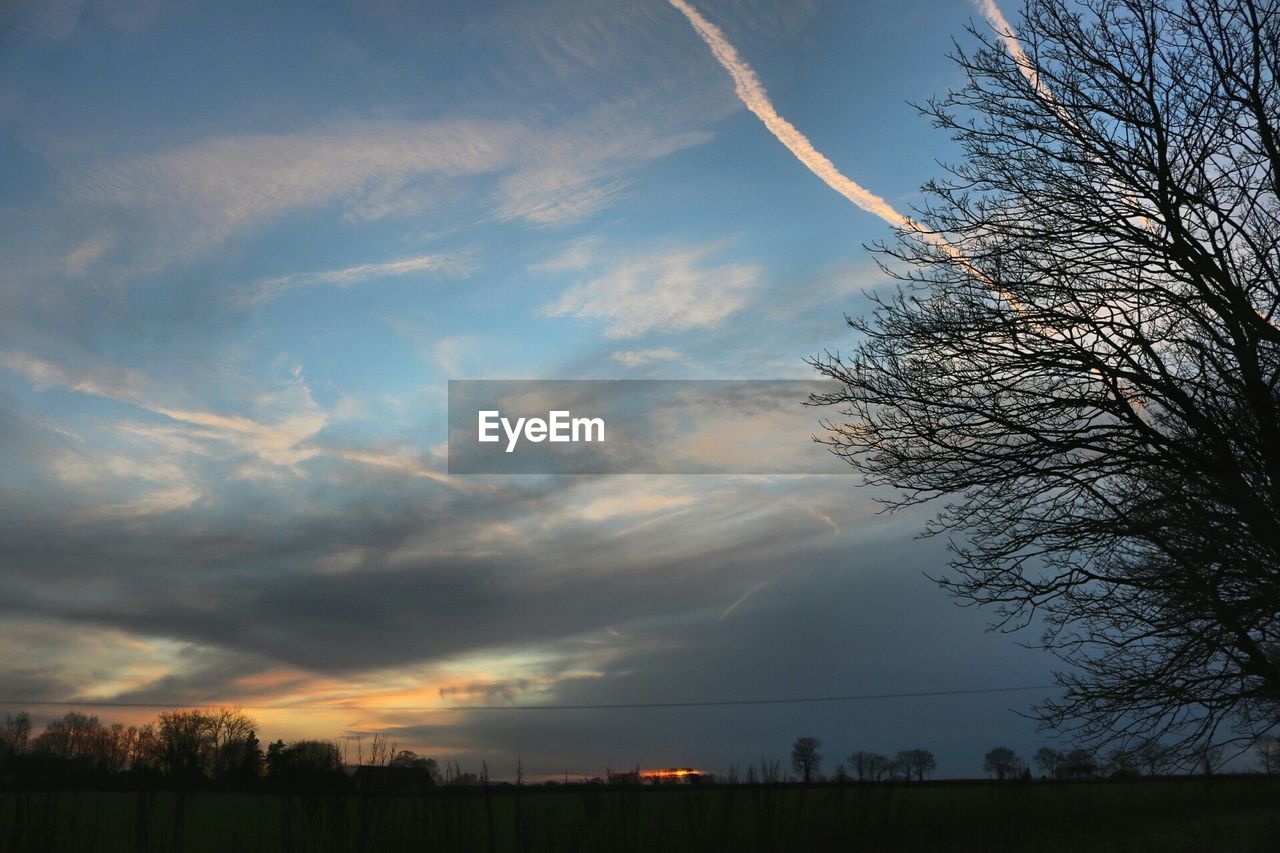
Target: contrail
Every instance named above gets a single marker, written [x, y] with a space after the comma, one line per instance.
[1013, 47]
[753, 96]
[1005, 32]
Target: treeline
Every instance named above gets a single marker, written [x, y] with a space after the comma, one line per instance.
[182, 748]
[1147, 758]
[219, 748]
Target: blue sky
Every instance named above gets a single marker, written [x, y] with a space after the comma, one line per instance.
[245, 247]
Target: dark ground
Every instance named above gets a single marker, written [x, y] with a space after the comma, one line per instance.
[1184, 814]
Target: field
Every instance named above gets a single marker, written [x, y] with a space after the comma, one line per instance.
[1239, 814]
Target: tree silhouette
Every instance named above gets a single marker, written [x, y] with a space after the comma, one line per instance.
[1078, 763]
[1268, 754]
[185, 744]
[1083, 359]
[1003, 763]
[305, 763]
[1048, 760]
[868, 766]
[916, 762]
[805, 758]
[14, 735]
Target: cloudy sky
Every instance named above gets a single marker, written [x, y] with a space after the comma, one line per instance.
[246, 245]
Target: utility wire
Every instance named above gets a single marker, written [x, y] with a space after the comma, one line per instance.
[339, 705]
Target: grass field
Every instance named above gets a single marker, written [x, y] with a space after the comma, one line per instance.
[1236, 814]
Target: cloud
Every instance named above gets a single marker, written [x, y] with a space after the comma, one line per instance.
[181, 201]
[573, 174]
[575, 257]
[272, 287]
[60, 19]
[640, 357]
[664, 291]
[203, 193]
[280, 439]
[86, 254]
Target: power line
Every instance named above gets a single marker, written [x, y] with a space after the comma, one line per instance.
[604, 706]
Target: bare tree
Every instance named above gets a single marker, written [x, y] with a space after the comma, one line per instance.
[805, 758]
[15, 734]
[868, 766]
[1153, 757]
[1003, 763]
[73, 736]
[1078, 763]
[916, 762]
[1268, 752]
[185, 743]
[1208, 760]
[1084, 356]
[382, 749]
[1048, 760]
[1123, 763]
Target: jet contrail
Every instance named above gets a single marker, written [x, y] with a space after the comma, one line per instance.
[754, 97]
[1013, 47]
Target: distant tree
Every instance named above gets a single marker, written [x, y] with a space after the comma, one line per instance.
[624, 777]
[15, 735]
[1079, 763]
[917, 762]
[805, 758]
[868, 766]
[459, 778]
[275, 758]
[234, 751]
[409, 758]
[186, 743]
[381, 750]
[308, 763]
[1049, 760]
[1208, 759]
[1082, 367]
[117, 748]
[73, 736]
[1153, 757]
[1267, 749]
[768, 772]
[1003, 763]
[144, 749]
[1123, 763]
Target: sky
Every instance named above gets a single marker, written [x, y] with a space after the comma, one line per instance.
[245, 246]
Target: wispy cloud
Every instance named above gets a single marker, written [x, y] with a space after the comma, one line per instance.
[664, 291]
[200, 194]
[280, 440]
[272, 287]
[755, 98]
[82, 257]
[176, 203]
[640, 357]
